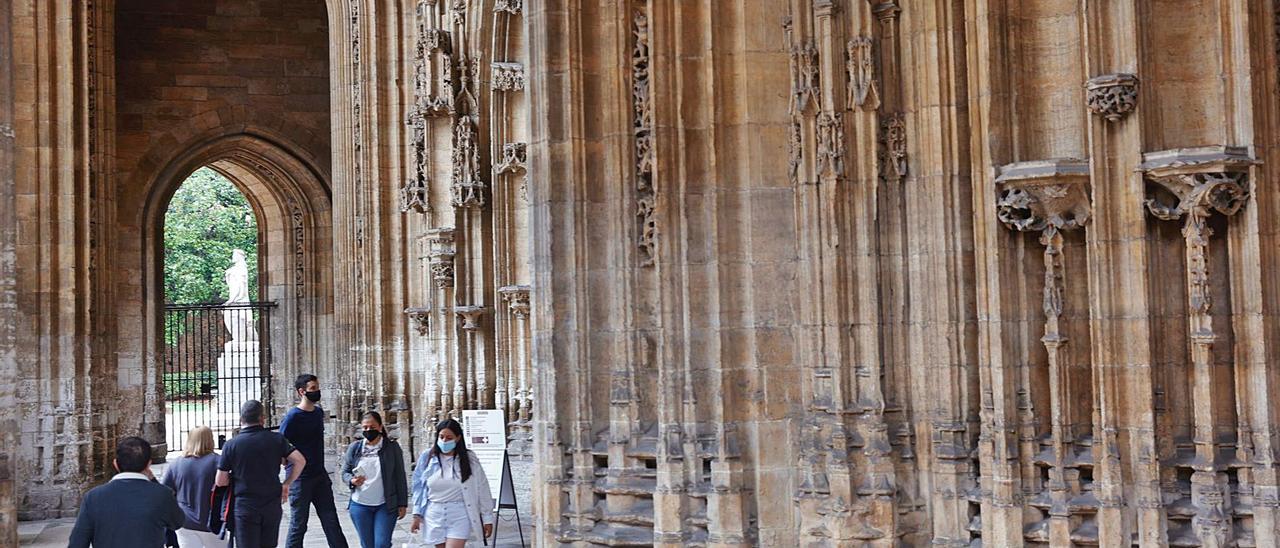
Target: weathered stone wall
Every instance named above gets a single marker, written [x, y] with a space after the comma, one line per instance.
[216, 65]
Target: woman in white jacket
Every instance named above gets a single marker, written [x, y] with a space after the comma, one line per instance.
[450, 494]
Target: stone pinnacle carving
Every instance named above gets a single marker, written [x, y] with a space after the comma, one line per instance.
[1112, 96]
[860, 67]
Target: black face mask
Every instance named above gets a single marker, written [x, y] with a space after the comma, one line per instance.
[371, 434]
[313, 396]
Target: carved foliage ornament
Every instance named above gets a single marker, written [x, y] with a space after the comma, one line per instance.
[517, 297]
[1112, 96]
[1192, 184]
[642, 126]
[510, 6]
[440, 252]
[421, 319]
[513, 158]
[506, 77]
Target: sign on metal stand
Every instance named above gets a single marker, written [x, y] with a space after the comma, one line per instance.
[485, 431]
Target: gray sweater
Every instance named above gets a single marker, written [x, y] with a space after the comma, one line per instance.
[191, 479]
[126, 513]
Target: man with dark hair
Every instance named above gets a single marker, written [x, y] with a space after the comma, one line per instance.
[131, 510]
[252, 460]
[303, 426]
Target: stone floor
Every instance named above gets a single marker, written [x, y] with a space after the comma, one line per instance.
[54, 533]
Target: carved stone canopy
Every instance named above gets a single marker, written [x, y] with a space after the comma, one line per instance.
[470, 315]
[1196, 180]
[1112, 96]
[421, 318]
[1043, 193]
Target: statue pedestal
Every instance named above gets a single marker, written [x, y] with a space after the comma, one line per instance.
[239, 378]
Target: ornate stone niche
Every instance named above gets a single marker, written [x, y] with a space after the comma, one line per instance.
[1038, 194]
[517, 297]
[1112, 96]
[421, 319]
[471, 316]
[1196, 180]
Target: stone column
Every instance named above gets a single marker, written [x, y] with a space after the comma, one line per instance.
[8, 295]
[518, 393]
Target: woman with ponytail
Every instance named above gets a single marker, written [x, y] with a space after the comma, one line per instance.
[450, 492]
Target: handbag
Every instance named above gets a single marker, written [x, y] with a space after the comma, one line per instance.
[221, 511]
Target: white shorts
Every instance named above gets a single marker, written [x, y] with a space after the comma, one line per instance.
[446, 520]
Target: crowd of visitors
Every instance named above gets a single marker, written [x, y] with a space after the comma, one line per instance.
[234, 498]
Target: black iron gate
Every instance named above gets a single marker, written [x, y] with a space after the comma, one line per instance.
[216, 357]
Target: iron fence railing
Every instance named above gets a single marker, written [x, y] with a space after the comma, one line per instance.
[216, 357]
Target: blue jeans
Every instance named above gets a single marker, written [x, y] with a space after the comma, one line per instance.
[374, 524]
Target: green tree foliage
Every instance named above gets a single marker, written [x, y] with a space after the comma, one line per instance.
[207, 218]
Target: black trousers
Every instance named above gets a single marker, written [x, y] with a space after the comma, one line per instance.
[318, 492]
[257, 526]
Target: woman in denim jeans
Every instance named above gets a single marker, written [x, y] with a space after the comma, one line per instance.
[374, 469]
[450, 492]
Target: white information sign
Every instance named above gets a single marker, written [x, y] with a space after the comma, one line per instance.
[485, 431]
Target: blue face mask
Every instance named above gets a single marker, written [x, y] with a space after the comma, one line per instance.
[446, 446]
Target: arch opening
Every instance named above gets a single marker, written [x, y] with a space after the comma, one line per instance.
[250, 349]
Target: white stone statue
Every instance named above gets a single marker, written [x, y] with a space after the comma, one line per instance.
[239, 322]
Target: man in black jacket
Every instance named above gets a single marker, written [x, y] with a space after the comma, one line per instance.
[131, 510]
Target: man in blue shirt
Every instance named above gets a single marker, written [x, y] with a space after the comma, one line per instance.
[304, 427]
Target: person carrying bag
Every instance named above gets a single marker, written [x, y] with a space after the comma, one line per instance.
[374, 470]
